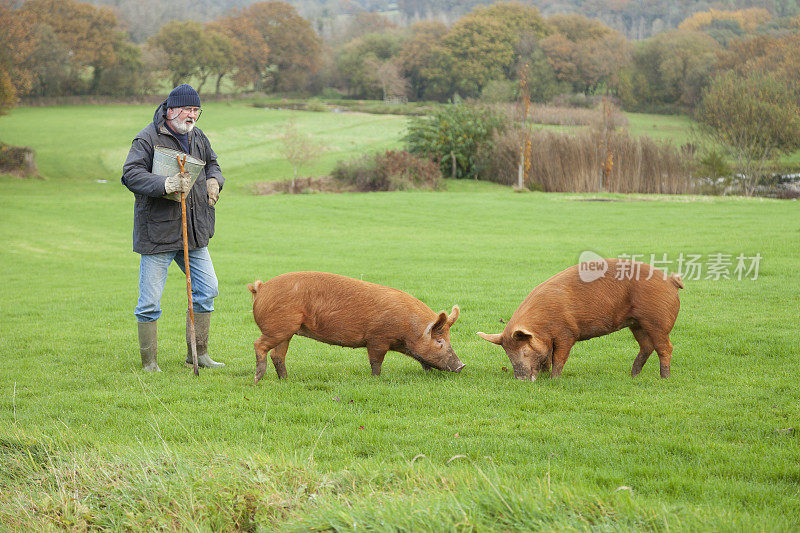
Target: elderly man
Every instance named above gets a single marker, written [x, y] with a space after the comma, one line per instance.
[157, 233]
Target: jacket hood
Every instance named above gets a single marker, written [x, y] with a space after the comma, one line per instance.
[160, 115]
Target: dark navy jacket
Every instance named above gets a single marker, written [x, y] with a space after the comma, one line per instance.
[156, 220]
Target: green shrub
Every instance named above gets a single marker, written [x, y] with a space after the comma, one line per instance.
[388, 171]
[713, 167]
[454, 131]
[315, 105]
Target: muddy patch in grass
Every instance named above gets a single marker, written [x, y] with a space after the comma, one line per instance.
[643, 198]
[325, 184]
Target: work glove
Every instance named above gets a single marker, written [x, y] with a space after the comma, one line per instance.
[180, 182]
[212, 186]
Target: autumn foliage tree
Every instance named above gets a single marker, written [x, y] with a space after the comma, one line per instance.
[779, 55]
[294, 46]
[584, 52]
[542, 80]
[484, 42]
[669, 71]
[18, 43]
[89, 33]
[366, 64]
[426, 62]
[248, 48]
[483, 51]
[364, 23]
[747, 19]
[184, 48]
[221, 59]
[128, 75]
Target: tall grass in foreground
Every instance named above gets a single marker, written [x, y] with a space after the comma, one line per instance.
[58, 485]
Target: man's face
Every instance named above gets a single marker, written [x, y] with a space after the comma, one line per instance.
[183, 119]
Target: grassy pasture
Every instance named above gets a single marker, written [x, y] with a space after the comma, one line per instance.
[247, 139]
[88, 440]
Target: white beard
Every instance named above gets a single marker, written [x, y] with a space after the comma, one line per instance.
[182, 126]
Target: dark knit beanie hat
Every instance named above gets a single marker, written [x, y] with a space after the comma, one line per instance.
[183, 95]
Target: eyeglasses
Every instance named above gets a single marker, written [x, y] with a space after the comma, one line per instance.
[189, 110]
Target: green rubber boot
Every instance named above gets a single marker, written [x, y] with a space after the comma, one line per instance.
[202, 324]
[148, 345]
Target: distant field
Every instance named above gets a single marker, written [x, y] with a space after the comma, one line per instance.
[89, 441]
[246, 139]
[221, 118]
[674, 128]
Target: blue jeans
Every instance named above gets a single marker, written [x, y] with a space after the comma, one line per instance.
[153, 277]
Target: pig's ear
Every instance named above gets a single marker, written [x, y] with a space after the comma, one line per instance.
[493, 337]
[453, 316]
[522, 334]
[437, 326]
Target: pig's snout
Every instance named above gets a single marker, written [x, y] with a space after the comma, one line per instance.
[523, 373]
[453, 363]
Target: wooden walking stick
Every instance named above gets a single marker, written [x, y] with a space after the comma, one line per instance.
[192, 339]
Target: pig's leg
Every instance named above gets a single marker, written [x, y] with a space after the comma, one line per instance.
[376, 355]
[278, 356]
[560, 354]
[664, 351]
[262, 346]
[645, 349]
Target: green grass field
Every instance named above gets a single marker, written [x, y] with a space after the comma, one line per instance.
[88, 440]
[673, 128]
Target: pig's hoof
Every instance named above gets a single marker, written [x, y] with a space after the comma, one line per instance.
[280, 369]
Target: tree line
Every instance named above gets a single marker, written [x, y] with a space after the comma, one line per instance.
[635, 20]
[65, 47]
